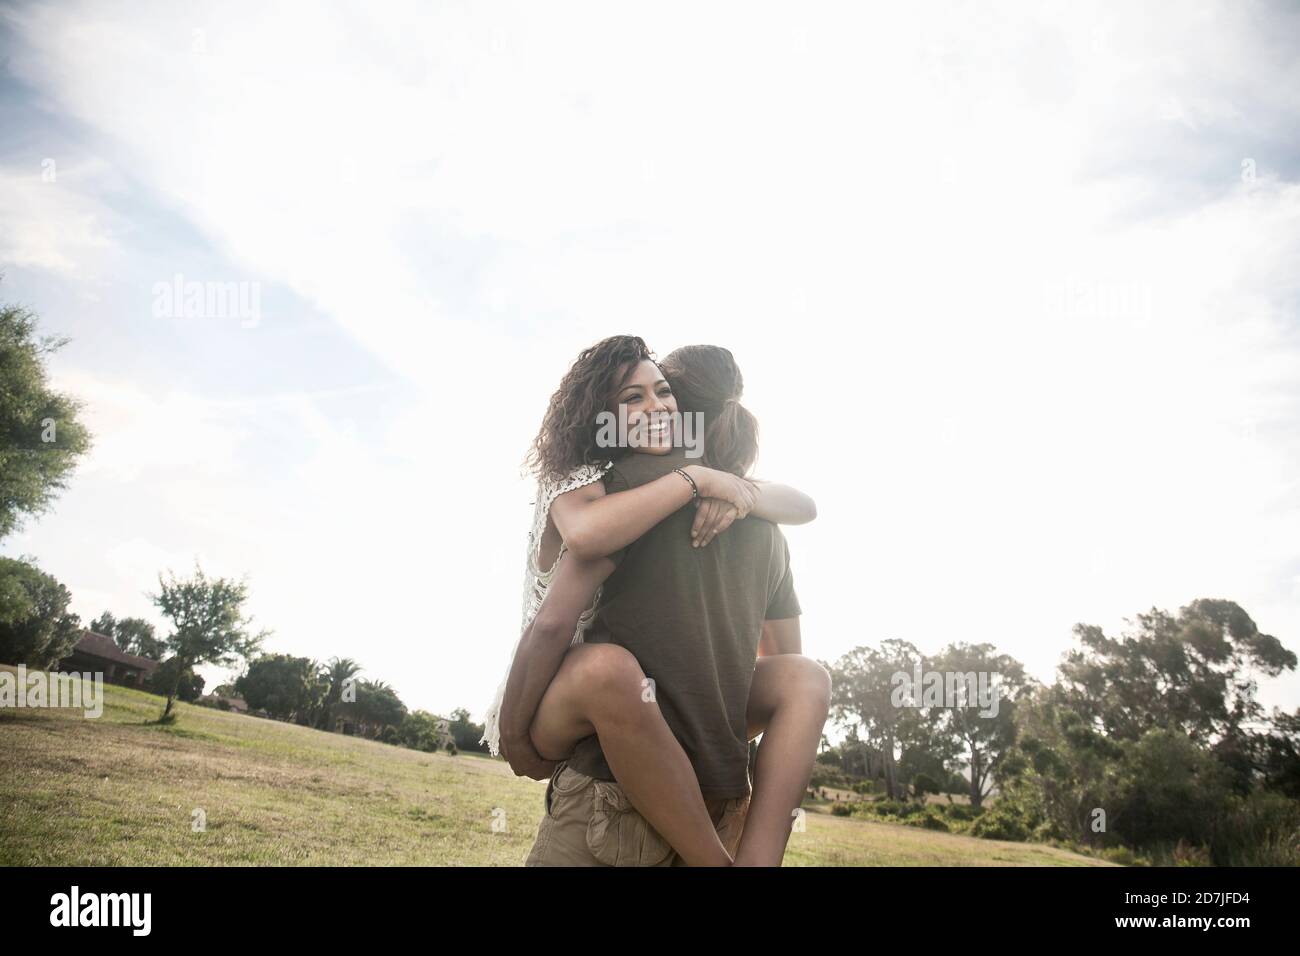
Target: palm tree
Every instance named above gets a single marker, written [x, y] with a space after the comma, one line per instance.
[336, 675]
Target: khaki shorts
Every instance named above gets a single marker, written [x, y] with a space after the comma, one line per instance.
[590, 822]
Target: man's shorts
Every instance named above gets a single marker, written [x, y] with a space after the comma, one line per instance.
[590, 822]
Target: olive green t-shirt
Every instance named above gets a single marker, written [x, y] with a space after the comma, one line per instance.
[693, 617]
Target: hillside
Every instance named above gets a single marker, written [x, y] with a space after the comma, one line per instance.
[120, 791]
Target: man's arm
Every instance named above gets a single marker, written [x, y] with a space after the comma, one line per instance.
[540, 651]
[780, 637]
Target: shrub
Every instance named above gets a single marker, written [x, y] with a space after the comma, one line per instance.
[1121, 855]
[929, 821]
[1262, 829]
[999, 824]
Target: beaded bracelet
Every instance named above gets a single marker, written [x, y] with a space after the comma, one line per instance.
[695, 490]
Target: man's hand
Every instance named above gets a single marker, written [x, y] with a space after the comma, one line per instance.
[524, 760]
[712, 517]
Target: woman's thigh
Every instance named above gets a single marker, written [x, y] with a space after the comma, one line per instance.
[566, 712]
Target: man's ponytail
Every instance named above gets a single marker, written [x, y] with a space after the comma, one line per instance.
[706, 379]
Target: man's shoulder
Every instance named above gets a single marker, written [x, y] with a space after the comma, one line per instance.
[637, 468]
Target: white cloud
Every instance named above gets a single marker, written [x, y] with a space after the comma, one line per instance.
[1003, 301]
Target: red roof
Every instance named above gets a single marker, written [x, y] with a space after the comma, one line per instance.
[100, 645]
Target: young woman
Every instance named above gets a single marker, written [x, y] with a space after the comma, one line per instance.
[575, 518]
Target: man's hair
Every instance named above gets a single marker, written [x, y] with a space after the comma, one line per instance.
[706, 378]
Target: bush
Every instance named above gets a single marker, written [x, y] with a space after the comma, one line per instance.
[842, 810]
[1262, 829]
[1169, 790]
[1123, 856]
[160, 681]
[929, 821]
[999, 824]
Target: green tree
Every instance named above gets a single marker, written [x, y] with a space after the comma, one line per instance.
[36, 627]
[208, 622]
[1193, 672]
[419, 731]
[464, 731]
[134, 635]
[982, 735]
[861, 697]
[335, 677]
[189, 688]
[376, 707]
[41, 437]
[285, 687]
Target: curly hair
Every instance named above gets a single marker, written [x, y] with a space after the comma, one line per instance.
[567, 438]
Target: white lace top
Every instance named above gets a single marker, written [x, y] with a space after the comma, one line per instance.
[536, 582]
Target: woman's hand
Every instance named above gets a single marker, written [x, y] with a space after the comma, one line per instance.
[712, 517]
[738, 492]
[524, 759]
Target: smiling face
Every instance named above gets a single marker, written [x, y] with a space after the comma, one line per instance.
[647, 401]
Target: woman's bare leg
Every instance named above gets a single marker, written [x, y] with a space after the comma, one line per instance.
[598, 689]
[788, 702]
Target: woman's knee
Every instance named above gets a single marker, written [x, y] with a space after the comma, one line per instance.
[813, 679]
[608, 673]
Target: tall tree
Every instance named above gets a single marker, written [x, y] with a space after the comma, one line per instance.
[985, 733]
[336, 676]
[36, 627]
[41, 437]
[1193, 672]
[862, 696]
[134, 635]
[208, 623]
[284, 686]
[376, 706]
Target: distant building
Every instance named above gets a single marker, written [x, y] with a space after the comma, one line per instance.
[96, 653]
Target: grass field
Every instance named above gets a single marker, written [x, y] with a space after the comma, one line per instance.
[119, 790]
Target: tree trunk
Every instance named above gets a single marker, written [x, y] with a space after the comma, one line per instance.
[976, 766]
[175, 689]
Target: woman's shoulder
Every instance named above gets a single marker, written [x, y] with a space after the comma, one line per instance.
[578, 478]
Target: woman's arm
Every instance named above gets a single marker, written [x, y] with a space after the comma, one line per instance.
[782, 504]
[779, 504]
[594, 524]
[540, 651]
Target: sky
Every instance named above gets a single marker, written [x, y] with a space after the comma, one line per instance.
[1014, 288]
